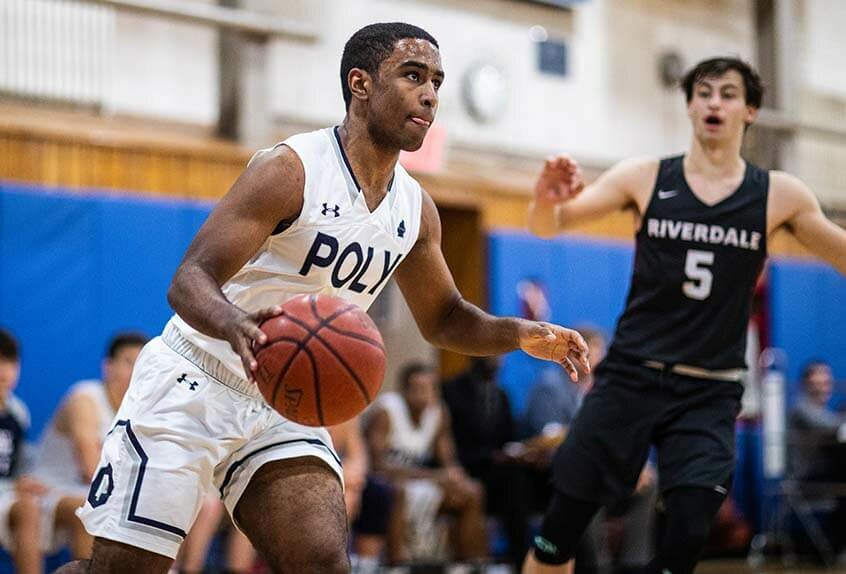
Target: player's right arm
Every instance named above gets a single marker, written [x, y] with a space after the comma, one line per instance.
[268, 192]
[561, 199]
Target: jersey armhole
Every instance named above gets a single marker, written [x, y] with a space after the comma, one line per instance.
[286, 224]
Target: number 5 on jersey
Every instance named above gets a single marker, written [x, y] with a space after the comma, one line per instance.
[696, 268]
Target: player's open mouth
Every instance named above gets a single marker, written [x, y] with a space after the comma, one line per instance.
[713, 121]
[421, 122]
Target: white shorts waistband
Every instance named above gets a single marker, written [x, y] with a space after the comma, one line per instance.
[208, 363]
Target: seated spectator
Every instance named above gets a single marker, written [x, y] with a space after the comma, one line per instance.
[552, 405]
[408, 436]
[69, 451]
[816, 430]
[367, 496]
[33, 520]
[817, 441]
[482, 425]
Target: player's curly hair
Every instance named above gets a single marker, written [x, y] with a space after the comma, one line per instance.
[369, 46]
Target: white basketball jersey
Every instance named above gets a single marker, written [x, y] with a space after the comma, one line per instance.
[409, 444]
[56, 463]
[336, 246]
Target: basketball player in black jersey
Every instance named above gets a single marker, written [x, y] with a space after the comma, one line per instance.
[672, 376]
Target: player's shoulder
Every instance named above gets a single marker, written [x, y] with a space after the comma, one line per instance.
[785, 187]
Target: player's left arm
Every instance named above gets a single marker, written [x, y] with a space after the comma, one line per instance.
[448, 321]
[799, 212]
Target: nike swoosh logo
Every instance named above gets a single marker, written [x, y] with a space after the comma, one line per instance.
[667, 194]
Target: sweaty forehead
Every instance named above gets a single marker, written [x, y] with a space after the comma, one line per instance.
[415, 49]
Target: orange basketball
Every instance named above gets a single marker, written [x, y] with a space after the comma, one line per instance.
[323, 362]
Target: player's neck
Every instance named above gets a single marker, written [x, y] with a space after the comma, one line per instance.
[372, 165]
[718, 159]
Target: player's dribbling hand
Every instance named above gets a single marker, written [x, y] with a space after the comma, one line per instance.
[554, 343]
[245, 336]
[560, 180]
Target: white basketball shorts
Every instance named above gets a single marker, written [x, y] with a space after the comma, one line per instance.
[186, 427]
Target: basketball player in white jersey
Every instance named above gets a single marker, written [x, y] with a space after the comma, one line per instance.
[70, 447]
[324, 212]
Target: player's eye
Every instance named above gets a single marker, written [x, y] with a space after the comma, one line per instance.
[437, 84]
[413, 76]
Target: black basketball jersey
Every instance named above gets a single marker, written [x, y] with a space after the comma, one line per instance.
[695, 272]
[14, 421]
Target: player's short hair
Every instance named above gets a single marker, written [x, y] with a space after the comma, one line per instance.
[412, 369]
[125, 339]
[715, 67]
[9, 348]
[811, 367]
[368, 47]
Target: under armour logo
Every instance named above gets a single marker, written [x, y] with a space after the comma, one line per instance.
[401, 229]
[183, 379]
[326, 210]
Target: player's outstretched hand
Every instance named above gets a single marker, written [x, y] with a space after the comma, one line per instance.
[554, 343]
[244, 335]
[560, 180]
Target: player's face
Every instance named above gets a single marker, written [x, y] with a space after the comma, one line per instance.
[717, 107]
[405, 95]
[420, 391]
[9, 371]
[118, 370]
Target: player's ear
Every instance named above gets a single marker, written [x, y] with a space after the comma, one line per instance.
[360, 83]
[751, 115]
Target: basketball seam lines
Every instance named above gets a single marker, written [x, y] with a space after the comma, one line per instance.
[314, 335]
[287, 366]
[354, 335]
[327, 323]
[301, 346]
[344, 364]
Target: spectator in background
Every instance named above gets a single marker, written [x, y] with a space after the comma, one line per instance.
[20, 514]
[408, 436]
[31, 515]
[367, 497]
[482, 425]
[817, 440]
[70, 446]
[552, 405]
[815, 428]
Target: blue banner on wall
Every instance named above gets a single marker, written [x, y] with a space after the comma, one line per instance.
[74, 269]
